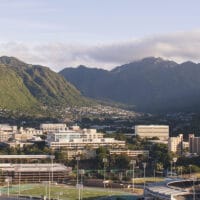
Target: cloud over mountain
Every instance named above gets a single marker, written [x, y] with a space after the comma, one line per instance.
[180, 46]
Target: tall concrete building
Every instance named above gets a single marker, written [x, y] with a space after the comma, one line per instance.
[149, 131]
[175, 144]
[194, 144]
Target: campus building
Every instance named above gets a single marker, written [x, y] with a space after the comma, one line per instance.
[149, 131]
[80, 139]
[175, 144]
[7, 132]
[194, 144]
[32, 172]
[129, 153]
[25, 134]
[53, 127]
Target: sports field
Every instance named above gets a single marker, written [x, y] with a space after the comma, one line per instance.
[69, 193]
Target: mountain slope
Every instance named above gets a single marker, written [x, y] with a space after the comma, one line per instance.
[151, 84]
[34, 86]
[13, 93]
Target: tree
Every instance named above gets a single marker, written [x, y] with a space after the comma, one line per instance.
[101, 153]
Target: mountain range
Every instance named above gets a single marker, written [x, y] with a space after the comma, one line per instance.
[150, 85]
[30, 88]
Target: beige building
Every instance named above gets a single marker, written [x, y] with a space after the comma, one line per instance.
[25, 134]
[175, 144]
[194, 144]
[7, 132]
[53, 127]
[149, 131]
[130, 153]
[8, 128]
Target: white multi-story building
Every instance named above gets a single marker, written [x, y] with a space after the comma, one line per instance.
[80, 139]
[53, 127]
[175, 144]
[149, 131]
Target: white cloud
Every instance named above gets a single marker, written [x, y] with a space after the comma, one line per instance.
[179, 47]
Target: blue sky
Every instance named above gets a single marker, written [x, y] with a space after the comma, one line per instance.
[61, 33]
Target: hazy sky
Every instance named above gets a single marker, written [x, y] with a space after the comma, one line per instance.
[99, 33]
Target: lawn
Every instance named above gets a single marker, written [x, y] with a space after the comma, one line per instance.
[71, 193]
[148, 179]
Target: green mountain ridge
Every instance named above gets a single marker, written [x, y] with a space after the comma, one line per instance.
[28, 88]
[150, 85]
[13, 93]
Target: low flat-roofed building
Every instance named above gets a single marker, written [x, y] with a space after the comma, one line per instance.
[85, 153]
[130, 153]
[34, 173]
[150, 131]
[27, 157]
[15, 144]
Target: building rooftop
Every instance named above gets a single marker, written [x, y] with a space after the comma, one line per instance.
[35, 167]
[26, 156]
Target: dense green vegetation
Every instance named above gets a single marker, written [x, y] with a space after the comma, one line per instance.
[33, 88]
[13, 93]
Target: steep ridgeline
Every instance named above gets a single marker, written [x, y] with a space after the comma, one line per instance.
[28, 87]
[151, 84]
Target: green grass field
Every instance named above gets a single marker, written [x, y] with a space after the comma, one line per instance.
[69, 192]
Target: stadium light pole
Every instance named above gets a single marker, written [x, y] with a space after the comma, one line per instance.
[144, 166]
[105, 160]
[171, 163]
[8, 188]
[19, 174]
[82, 172]
[133, 162]
[8, 179]
[194, 179]
[174, 161]
[190, 170]
[51, 169]
[154, 171]
[77, 172]
[77, 178]
[181, 169]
